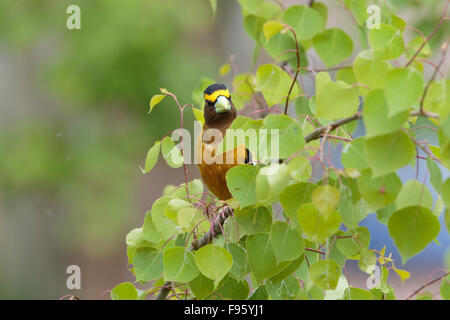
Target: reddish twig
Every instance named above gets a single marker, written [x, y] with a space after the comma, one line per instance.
[443, 17]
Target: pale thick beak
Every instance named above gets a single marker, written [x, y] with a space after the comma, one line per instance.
[222, 104]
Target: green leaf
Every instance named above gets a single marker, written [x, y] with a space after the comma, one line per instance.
[353, 246]
[124, 291]
[152, 157]
[148, 264]
[413, 193]
[447, 219]
[426, 295]
[357, 294]
[287, 289]
[261, 257]
[352, 211]
[171, 153]
[380, 191]
[439, 207]
[241, 183]
[299, 169]
[213, 5]
[333, 46]
[234, 289]
[438, 98]
[367, 260]
[321, 8]
[369, 71]
[195, 187]
[271, 28]
[347, 75]
[403, 274]
[435, 174]
[445, 288]
[316, 226]
[445, 192]
[325, 199]
[290, 136]
[336, 100]
[274, 84]
[173, 207]
[270, 182]
[389, 152]
[412, 229]
[354, 154]
[135, 240]
[201, 286]
[306, 22]
[214, 262]
[387, 41]
[287, 271]
[239, 268]
[179, 265]
[189, 218]
[260, 8]
[322, 78]
[294, 196]
[375, 115]
[157, 98]
[253, 25]
[279, 43]
[359, 10]
[224, 69]
[259, 294]
[413, 46]
[149, 231]
[287, 243]
[398, 22]
[254, 220]
[165, 226]
[197, 94]
[403, 89]
[325, 274]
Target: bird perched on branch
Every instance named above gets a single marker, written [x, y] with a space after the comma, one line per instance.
[219, 113]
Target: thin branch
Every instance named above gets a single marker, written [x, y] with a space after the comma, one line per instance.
[443, 17]
[207, 238]
[426, 285]
[444, 53]
[280, 3]
[314, 250]
[316, 134]
[425, 114]
[294, 80]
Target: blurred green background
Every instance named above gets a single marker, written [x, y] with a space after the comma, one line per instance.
[74, 126]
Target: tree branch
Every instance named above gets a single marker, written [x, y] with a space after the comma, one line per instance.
[425, 92]
[426, 285]
[195, 245]
[294, 80]
[443, 17]
[316, 134]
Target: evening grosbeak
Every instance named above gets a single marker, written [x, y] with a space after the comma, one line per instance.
[219, 113]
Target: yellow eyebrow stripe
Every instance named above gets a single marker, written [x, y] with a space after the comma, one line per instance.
[213, 96]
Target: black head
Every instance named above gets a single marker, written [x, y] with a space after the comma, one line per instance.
[219, 109]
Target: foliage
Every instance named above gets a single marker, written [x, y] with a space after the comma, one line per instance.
[292, 232]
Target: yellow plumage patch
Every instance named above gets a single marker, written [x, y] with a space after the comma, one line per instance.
[213, 96]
